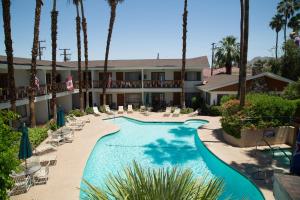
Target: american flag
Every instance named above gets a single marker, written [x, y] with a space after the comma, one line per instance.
[37, 82]
[69, 83]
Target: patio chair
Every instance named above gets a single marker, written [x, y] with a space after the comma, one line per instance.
[22, 184]
[108, 111]
[176, 112]
[41, 176]
[195, 113]
[73, 121]
[168, 111]
[49, 160]
[83, 120]
[129, 109]
[120, 110]
[96, 111]
[68, 135]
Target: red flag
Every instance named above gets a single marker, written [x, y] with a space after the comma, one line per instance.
[69, 83]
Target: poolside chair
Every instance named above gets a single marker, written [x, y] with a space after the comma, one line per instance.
[74, 127]
[41, 176]
[108, 111]
[82, 119]
[55, 138]
[168, 111]
[195, 113]
[96, 111]
[176, 112]
[46, 148]
[73, 122]
[49, 160]
[120, 110]
[68, 135]
[22, 184]
[129, 109]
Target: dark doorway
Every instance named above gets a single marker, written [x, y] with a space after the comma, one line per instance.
[120, 99]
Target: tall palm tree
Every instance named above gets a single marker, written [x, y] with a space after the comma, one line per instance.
[294, 23]
[139, 183]
[184, 33]
[34, 51]
[78, 29]
[244, 49]
[277, 24]
[9, 52]
[54, 14]
[228, 53]
[287, 8]
[85, 42]
[113, 9]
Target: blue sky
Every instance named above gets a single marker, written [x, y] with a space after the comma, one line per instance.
[143, 27]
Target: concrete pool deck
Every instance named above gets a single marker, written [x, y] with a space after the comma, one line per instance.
[65, 176]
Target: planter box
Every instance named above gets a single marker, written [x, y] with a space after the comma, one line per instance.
[251, 138]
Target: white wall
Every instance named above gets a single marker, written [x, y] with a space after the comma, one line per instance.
[65, 102]
[41, 112]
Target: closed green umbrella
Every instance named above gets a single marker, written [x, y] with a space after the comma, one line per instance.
[25, 146]
[60, 117]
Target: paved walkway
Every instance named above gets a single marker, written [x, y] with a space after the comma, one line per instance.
[65, 177]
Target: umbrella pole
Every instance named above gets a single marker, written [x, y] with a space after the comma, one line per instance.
[26, 164]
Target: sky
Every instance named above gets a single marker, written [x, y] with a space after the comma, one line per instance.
[144, 28]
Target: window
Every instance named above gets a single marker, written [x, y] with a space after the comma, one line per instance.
[193, 76]
[158, 76]
[132, 76]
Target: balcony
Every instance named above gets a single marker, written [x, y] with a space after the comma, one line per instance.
[162, 84]
[119, 84]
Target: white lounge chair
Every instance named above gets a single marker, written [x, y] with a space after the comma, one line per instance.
[96, 111]
[22, 184]
[129, 109]
[108, 111]
[176, 112]
[68, 134]
[45, 148]
[82, 119]
[55, 138]
[120, 110]
[168, 111]
[74, 122]
[49, 160]
[41, 176]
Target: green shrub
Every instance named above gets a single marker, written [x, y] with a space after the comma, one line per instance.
[9, 148]
[215, 111]
[37, 135]
[76, 113]
[297, 104]
[102, 109]
[52, 125]
[89, 110]
[292, 91]
[260, 111]
[186, 110]
[227, 98]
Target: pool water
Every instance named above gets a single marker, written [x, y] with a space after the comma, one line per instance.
[158, 145]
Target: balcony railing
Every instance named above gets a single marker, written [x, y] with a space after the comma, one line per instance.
[162, 84]
[119, 84]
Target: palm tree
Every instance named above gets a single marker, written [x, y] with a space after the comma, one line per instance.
[228, 53]
[9, 52]
[34, 52]
[139, 183]
[184, 26]
[294, 23]
[277, 24]
[113, 9]
[287, 8]
[85, 42]
[78, 28]
[244, 50]
[54, 14]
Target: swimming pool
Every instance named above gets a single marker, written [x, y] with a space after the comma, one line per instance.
[162, 144]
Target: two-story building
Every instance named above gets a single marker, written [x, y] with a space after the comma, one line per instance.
[153, 82]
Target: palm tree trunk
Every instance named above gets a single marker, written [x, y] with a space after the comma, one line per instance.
[86, 58]
[244, 51]
[285, 27]
[9, 53]
[184, 26]
[241, 45]
[276, 47]
[79, 58]
[33, 61]
[110, 30]
[54, 15]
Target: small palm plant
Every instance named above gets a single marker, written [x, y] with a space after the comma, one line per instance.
[140, 184]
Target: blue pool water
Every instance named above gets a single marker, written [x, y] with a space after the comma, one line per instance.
[162, 145]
